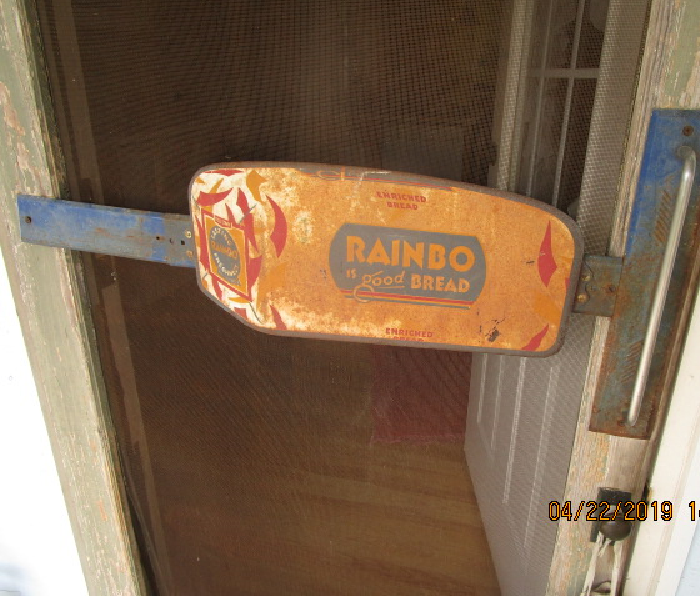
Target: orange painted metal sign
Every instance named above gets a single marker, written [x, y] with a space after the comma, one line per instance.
[377, 256]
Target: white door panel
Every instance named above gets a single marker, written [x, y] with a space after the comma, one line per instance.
[520, 430]
[523, 413]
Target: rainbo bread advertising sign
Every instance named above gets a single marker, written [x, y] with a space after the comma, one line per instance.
[362, 255]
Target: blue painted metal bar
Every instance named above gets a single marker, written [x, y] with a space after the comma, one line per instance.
[152, 236]
[650, 227]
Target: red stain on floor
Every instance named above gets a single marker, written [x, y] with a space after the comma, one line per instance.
[419, 395]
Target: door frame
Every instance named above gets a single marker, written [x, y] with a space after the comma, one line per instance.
[669, 78]
[60, 337]
[51, 302]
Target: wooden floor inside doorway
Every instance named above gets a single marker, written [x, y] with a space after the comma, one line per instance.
[276, 482]
[329, 514]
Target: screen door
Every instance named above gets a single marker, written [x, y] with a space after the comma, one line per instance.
[258, 464]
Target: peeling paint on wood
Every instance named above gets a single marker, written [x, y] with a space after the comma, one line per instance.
[55, 324]
[681, 87]
[668, 71]
[138, 234]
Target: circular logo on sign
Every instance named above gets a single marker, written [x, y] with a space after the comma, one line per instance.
[225, 254]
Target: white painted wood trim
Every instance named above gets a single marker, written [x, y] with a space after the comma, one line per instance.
[49, 294]
[661, 547]
[37, 547]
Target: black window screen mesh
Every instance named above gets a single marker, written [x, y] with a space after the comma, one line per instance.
[259, 464]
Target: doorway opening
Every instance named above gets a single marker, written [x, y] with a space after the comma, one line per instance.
[259, 464]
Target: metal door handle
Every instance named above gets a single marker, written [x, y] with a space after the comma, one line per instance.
[682, 198]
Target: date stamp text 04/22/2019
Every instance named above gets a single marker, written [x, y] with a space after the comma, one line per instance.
[629, 511]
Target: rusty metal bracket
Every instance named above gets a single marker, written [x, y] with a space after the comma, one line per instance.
[139, 234]
[651, 221]
[597, 286]
[167, 238]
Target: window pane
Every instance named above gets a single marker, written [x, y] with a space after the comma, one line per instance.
[592, 33]
[562, 32]
[576, 141]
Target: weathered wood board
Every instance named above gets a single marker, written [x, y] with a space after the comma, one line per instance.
[363, 255]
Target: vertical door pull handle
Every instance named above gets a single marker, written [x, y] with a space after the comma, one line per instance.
[682, 198]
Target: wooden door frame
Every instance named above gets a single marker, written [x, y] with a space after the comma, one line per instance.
[669, 78]
[51, 302]
[49, 292]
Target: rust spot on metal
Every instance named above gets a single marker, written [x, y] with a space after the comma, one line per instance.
[651, 215]
[597, 288]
